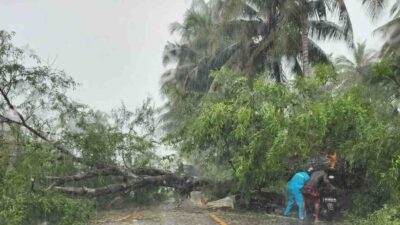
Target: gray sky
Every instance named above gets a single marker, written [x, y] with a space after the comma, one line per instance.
[113, 47]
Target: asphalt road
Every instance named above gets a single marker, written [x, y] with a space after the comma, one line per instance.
[191, 215]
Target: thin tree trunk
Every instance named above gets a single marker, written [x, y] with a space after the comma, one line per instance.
[277, 72]
[305, 53]
[13, 146]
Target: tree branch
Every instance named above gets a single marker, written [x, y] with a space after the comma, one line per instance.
[11, 106]
[34, 131]
[181, 183]
[83, 176]
[109, 171]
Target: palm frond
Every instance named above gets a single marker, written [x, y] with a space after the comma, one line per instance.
[198, 5]
[343, 60]
[389, 26]
[325, 30]
[244, 28]
[395, 10]
[374, 6]
[391, 31]
[223, 56]
[344, 18]
[362, 57]
[175, 27]
[317, 9]
[174, 53]
[194, 21]
[392, 46]
[176, 73]
[234, 9]
[317, 55]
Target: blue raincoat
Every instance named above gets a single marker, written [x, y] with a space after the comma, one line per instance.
[294, 191]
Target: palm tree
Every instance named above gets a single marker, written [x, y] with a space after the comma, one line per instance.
[250, 36]
[283, 30]
[361, 59]
[253, 36]
[391, 29]
[310, 17]
[200, 50]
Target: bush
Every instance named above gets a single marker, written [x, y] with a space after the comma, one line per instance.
[388, 215]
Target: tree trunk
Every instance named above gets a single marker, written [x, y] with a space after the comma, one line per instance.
[277, 72]
[11, 136]
[305, 53]
[133, 178]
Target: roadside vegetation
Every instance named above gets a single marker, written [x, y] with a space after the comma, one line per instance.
[251, 98]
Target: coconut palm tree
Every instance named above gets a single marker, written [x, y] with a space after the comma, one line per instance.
[253, 36]
[360, 60]
[285, 29]
[310, 19]
[390, 30]
[200, 50]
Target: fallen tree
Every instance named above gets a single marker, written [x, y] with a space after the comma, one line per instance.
[133, 178]
[95, 145]
[180, 183]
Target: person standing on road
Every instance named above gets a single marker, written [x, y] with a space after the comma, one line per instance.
[296, 183]
[311, 188]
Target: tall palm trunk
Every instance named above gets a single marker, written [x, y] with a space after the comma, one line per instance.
[305, 53]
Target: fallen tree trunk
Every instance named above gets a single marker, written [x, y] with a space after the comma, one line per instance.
[109, 171]
[83, 176]
[133, 179]
[183, 184]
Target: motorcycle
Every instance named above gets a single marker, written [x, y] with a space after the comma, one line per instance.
[329, 204]
[329, 201]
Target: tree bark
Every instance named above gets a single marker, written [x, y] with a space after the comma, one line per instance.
[277, 72]
[13, 157]
[181, 183]
[305, 53]
[10, 137]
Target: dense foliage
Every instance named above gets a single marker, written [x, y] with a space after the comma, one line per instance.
[242, 125]
[43, 134]
[273, 129]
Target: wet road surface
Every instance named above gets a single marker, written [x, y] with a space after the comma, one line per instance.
[191, 215]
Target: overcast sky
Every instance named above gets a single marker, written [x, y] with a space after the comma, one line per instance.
[113, 47]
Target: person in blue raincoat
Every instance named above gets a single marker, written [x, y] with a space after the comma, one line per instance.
[296, 183]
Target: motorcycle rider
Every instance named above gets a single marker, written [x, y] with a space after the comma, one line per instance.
[311, 187]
